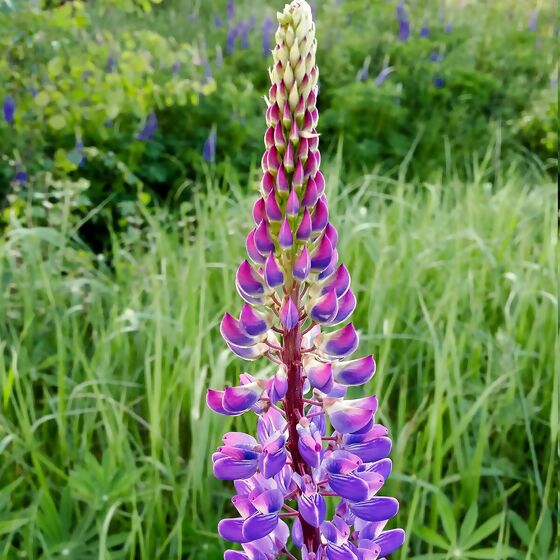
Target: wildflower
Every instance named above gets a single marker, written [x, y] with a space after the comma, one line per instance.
[111, 64]
[244, 30]
[230, 10]
[448, 27]
[149, 129]
[364, 70]
[231, 38]
[267, 29]
[21, 176]
[9, 109]
[298, 299]
[385, 72]
[209, 149]
[404, 23]
[176, 68]
[533, 22]
[439, 82]
[425, 31]
[218, 22]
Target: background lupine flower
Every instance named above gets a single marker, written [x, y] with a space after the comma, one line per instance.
[404, 23]
[448, 27]
[209, 149]
[218, 22]
[230, 10]
[231, 38]
[385, 72]
[533, 22]
[267, 30]
[149, 129]
[298, 299]
[363, 73]
[439, 82]
[9, 109]
[111, 64]
[425, 31]
[21, 176]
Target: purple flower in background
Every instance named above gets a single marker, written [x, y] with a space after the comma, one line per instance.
[230, 10]
[21, 176]
[448, 27]
[209, 149]
[311, 443]
[533, 22]
[176, 68]
[363, 74]
[436, 56]
[218, 22]
[86, 75]
[425, 31]
[267, 32]
[404, 23]
[9, 109]
[80, 151]
[385, 72]
[149, 129]
[439, 82]
[111, 64]
[231, 38]
[244, 30]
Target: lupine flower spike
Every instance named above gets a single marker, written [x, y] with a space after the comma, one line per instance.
[312, 445]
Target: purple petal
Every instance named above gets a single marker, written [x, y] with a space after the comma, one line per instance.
[297, 179]
[340, 552]
[214, 402]
[321, 215]
[289, 315]
[273, 463]
[389, 541]
[319, 374]
[250, 352]
[270, 501]
[354, 372]
[332, 234]
[242, 397]
[341, 462]
[273, 212]
[320, 183]
[239, 438]
[263, 241]
[259, 525]
[350, 415]
[292, 204]
[321, 256]
[272, 160]
[304, 230]
[310, 196]
[227, 468]
[297, 533]
[373, 450]
[233, 333]
[324, 308]
[248, 280]
[252, 250]
[302, 266]
[259, 213]
[285, 236]
[346, 305]
[235, 555]
[339, 281]
[282, 180]
[376, 509]
[339, 343]
[232, 530]
[349, 486]
[273, 275]
[253, 322]
[267, 184]
[312, 508]
[288, 162]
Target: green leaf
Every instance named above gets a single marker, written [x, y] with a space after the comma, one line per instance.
[55, 67]
[520, 527]
[469, 523]
[545, 532]
[497, 553]
[447, 517]
[484, 530]
[42, 99]
[432, 537]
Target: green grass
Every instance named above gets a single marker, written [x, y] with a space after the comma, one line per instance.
[104, 438]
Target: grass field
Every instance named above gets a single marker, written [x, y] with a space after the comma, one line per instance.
[104, 438]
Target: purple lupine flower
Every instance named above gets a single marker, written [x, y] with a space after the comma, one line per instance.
[79, 148]
[111, 64]
[363, 73]
[244, 30]
[436, 56]
[385, 72]
[298, 299]
[425, 31]
[230, 10]
[175, 69]
[9, 109]
[209, 149]
[533, 22]
[439, 82]
[86, 74]
[218, 22]
[149, 129]
[448, 27]
[404, 23]
[21, 176]
[231, 38]
[267, 31]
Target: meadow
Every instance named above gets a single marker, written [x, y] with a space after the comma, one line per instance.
[119, 244]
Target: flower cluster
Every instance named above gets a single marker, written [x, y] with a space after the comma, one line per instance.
[297, 296]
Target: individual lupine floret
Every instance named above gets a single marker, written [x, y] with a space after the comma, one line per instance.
[297, 301]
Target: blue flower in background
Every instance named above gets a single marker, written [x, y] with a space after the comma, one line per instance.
[386, 71]
[86, 75]
[363, 74]
[217, 22]
[150, 128]
[439, 82]
[231, 38]
[425, 31]
[209, 149]
[244, 30]
[401, 12]
[267, 30]
[436, 56]
[80, 151]
[533, 22]
[176, 68]
[9, 109]
[230, 10]
[448, 28]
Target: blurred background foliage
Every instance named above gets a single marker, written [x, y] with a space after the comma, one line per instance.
[114, 100]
